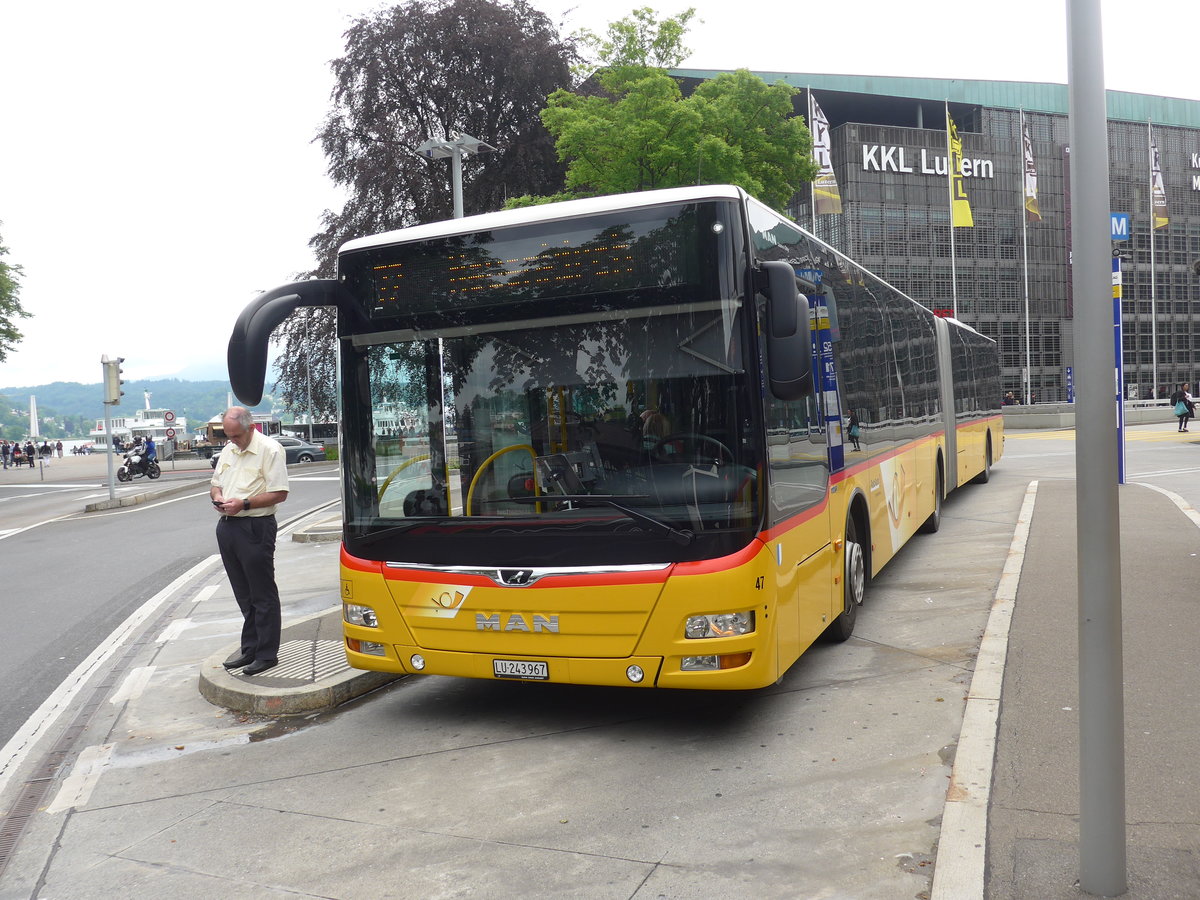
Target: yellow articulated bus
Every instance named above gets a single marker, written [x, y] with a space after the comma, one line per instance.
[658, 439]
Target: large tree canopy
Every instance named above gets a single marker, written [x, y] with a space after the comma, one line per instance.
[638, 131]
[10, 304]
[425, 69]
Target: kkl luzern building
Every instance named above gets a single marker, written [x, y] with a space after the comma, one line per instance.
[887, 142]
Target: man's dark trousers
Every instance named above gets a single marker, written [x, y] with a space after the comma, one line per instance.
[247, 546]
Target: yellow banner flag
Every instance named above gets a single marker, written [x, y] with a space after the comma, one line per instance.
[1032, 213]
[960, 206]
[825, 189]
[1158, 191]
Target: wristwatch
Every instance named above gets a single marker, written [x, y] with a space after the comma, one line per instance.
[246, 504]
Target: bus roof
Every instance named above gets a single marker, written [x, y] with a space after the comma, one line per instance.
[546, 212]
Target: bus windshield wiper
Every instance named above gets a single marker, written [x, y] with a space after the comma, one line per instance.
[681, 536]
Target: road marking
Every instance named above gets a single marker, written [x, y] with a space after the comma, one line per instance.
[1186, 508]
[78, 786]
[1169, 436]
[207, 593]
[962, 848]
[174, 630]
[35, 727]
[133, 685]
[1162, 473]
[16, 531]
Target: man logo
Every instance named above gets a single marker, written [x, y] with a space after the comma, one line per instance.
[515, 577]
[517, 622]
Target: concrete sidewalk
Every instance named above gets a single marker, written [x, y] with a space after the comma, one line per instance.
[1033, 816]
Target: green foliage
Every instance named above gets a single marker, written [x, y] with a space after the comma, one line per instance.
[638, 132]
[10, 304]
[640, 40]
[734, 129]
[411, 71]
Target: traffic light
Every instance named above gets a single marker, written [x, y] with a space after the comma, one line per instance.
[112, 379]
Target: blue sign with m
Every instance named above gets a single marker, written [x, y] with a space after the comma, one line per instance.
[1120, 226]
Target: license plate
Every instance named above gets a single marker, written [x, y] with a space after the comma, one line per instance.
[520, 668]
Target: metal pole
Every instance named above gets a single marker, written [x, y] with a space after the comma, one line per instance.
[1153, 273]
[456, 180]
[1025, 268]
[950, 193]
[112, 490]
[1101, 704]
[308, 372]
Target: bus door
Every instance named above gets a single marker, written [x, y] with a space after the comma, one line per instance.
[946, 396]
[824, 371]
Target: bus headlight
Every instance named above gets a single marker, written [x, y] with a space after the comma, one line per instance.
[723, 625]
[360, 615]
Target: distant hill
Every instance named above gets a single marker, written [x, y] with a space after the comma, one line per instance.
[65, 401]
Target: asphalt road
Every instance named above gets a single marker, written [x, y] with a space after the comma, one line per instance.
[70, 578]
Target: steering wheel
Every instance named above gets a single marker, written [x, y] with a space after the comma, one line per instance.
[659, 450]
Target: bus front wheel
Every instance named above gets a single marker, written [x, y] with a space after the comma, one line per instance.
[854, 586]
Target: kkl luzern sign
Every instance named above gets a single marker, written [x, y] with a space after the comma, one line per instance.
[886, 158]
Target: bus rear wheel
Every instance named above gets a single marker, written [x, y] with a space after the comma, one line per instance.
[985, 476]
[934, 522]
[854, 586]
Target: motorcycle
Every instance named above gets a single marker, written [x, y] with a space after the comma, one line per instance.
[137, 464]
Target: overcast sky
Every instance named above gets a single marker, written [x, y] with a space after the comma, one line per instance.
[157, 166]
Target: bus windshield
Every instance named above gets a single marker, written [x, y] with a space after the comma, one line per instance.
[631, 427]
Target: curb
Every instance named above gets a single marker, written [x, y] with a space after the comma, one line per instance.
[258, 695]
[330, 530]
[136, 499]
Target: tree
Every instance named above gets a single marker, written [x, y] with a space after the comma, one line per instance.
[10, 304]
[423, 69]
[640, 40]
[638, 132]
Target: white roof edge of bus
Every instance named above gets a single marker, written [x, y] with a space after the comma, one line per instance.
[565, 209]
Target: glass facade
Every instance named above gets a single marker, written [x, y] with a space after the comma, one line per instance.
[891, 172]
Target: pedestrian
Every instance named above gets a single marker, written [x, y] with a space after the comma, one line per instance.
[5, 453]
[855, 431]
[1185, 405]
[30, 454]
[249, 482]
[58, 447]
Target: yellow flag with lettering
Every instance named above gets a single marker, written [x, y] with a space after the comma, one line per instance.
[1158, 191]
[960, 206]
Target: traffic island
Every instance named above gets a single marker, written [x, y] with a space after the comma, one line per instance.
[312, 673]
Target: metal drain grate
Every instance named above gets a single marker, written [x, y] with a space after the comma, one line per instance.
[308, 660]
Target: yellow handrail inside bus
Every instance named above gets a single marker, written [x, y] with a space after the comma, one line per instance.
[396, 471]
[487, 462]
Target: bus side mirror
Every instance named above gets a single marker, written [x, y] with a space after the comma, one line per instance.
[248, 345]
[789, 338]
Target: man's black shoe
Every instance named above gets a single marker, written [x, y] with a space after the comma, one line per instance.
[260, 665]
[238, 660]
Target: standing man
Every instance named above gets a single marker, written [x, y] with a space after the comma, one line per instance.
[250, 480]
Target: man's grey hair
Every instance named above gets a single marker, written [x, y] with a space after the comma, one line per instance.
[241, 415]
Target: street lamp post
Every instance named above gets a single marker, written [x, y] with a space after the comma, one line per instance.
[456, 145]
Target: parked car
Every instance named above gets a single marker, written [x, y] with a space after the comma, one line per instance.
[297, 451]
